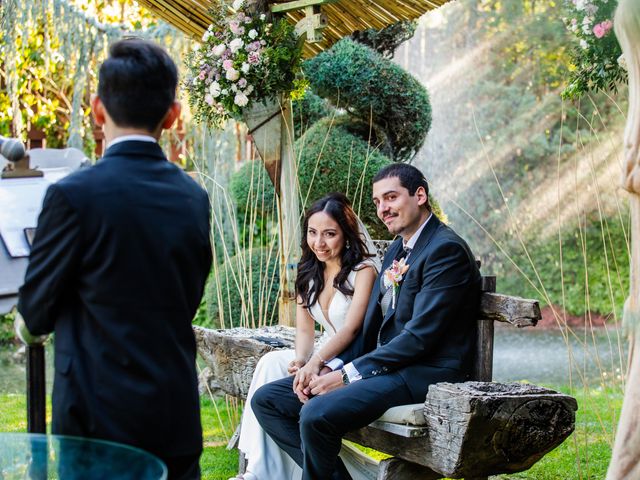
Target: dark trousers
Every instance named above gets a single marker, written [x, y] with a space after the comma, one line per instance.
[186, 467]
[312, 433]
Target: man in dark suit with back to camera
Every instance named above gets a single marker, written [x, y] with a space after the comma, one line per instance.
[419, 329]
[117, 270]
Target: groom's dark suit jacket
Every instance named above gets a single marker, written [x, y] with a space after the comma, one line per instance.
[433, 325]
[117, 270]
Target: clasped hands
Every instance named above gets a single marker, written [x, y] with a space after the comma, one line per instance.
[313, 378]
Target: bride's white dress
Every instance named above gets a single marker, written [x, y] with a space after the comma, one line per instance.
[265, 459]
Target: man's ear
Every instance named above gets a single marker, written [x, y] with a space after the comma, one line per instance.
[97, 109]
[423, 198]
[172, 115]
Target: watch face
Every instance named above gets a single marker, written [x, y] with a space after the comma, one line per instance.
[345, 377]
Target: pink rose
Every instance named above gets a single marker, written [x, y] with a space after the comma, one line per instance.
[598, 30]
[227, 64]
[602, 28]
[253, 58]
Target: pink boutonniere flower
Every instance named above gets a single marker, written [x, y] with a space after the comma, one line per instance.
[393, 276]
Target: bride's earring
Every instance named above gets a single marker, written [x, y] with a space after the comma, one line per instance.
[348, 245]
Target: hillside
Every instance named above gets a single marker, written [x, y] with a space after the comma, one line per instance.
[516, 168]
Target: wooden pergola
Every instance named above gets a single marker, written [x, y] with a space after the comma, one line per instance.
[321, 23]
[343, 17]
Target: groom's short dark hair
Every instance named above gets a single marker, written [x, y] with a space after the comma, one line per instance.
[410, 177]
[137, 83]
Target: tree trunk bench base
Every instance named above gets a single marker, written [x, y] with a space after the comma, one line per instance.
[467, 430]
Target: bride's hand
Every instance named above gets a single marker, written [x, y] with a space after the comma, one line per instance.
[295, 365]
[304, 375]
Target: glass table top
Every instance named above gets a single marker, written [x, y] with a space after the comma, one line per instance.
[44, 457]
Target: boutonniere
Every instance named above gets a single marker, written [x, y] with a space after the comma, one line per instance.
[393, 276]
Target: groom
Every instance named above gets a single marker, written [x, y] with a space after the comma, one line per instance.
[418, 330]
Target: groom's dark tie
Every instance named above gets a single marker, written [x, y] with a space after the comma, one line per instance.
[385, 301]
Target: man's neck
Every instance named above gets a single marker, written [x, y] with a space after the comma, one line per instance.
[111, 132]
[408, 236]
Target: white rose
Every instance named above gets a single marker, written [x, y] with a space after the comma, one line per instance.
[236, 44]
[214, 89]
[584, 44]
[219, 49]
[206, 36]
[622, 61]
[232, 74]
[262, 16]
[240, 99]
[224, 91]
[245, 67]
[253, 34]
[237, 4]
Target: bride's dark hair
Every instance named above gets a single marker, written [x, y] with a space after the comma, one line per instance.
[338, 207]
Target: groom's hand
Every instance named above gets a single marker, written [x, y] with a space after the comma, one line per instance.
[326, 383]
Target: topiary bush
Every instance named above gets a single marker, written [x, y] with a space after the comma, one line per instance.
[244, 290]
[308, 110]
[251, 188]
[386, 40]
[357, 78]
[332, 159]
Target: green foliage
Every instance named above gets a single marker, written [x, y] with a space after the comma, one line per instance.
[244, 290]
[252, 190]
[308, 110]
[6, 328]
[386, 40]
[255, 199]
[44, 91]
[595, 57]
[375, 90]
[333, 159]
[595, 266]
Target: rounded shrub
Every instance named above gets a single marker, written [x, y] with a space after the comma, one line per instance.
[251, 188]
[357, 78]
[244, 290]
[333, 159]
[308, 110]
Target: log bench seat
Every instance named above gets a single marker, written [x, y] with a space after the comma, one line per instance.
[468, 430]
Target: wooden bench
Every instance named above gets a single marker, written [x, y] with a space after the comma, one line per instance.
[468, 430]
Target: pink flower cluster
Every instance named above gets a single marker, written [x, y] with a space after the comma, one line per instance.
[602, 28]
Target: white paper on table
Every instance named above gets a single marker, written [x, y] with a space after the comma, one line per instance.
[20, 204]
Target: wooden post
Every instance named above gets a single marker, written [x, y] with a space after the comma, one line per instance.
[625, 460]
[289, 213]
[484, 344]
[271, 127]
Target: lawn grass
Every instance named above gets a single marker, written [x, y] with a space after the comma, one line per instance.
[216, 463]
[584, 455]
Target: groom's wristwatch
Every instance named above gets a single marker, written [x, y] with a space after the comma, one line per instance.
[345, 377]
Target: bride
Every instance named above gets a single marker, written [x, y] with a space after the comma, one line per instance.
[334, 281]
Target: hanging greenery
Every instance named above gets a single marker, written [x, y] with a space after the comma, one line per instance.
[597, 59]
[50, 50]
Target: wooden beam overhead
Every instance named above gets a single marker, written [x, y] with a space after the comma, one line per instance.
[343, 16]
[298, 5]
